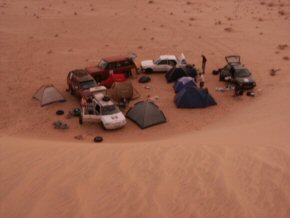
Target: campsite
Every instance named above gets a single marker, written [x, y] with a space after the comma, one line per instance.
[223, 155]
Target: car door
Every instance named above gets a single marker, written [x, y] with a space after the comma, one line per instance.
[98, 111]
[162, 66]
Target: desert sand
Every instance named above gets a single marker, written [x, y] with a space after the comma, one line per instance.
[229, 160]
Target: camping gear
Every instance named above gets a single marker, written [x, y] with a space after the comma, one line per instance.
[77, 112]
[146, 114]
[48, 94]
[144, 79]
[60, 125]
[180, 71]
[193, 97]
[184, 82]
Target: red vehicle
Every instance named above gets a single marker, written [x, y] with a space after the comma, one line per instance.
[80, 83]
[113, 78]
[112, 65]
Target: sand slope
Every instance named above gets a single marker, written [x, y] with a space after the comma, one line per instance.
[231, 160]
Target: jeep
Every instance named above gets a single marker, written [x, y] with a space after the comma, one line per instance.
[80, 83]
[112, 65]
[236, 73]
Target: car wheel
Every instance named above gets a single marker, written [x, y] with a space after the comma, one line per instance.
[149, 71]
[97, 79]
[98, 139]
[103, 126]
[81, 119]
[71, 90]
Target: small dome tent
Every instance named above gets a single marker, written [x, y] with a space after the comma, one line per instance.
[48, 94]
[192, 97]
[184, 82]
[146, 114]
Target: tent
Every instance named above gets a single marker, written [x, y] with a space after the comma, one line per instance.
[146, 114]
[48, 94]
[185, 81]
[174, 74]
[121, 90]
[192, 97]
[180, 71]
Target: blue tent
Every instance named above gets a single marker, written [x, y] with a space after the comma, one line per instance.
[185, 81]
[192, 97]
[179, 71]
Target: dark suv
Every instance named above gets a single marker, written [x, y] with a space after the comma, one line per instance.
[236, 73]
[112, 65]
[80, 82]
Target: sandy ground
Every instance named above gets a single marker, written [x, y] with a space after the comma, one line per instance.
[230, 160]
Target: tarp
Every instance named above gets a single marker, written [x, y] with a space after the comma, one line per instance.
[146, 114]
[48, 94]
[179, 71]
[192, 97]
[185, 81]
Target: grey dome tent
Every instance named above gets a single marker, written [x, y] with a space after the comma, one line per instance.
[185, 81]
[146, 114]
[180, 71]
[48, 94]
[192, 97]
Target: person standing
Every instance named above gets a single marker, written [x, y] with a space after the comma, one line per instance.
[204, 60]
[201, 81]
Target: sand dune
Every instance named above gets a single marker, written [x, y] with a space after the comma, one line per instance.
[231, 160]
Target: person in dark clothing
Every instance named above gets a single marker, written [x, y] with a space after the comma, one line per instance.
[238, 90]
[204, 60]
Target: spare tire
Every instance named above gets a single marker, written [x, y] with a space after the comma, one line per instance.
[59, 112]
[144, 79]
[106, 98]
[98, 139]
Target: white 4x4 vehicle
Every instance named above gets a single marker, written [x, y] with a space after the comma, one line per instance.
[101, 108]
[162, 64]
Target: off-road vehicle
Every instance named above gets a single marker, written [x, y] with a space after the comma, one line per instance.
[236, 73]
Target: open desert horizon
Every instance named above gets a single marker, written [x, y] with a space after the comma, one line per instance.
[228, 160]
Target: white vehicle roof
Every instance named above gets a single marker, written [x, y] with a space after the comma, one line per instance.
[99, 98]
[167, 57]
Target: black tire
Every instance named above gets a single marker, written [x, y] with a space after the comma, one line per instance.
[98, 79]
[71, 91]
[221, 78]
[98, 139]
[59, 112]
[81, 120]
[103, 126]
[149, 71]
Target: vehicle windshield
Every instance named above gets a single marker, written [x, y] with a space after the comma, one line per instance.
[242, 73]
[110, 109]
[103, 64]
[88, 84]
[156, 61]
